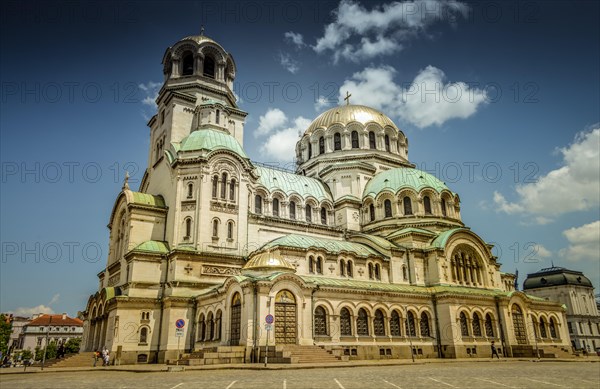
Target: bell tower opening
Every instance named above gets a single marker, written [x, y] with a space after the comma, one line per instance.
[209, 67]
[187, 68]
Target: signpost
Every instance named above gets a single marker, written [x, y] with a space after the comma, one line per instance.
[269, 319]
[179, 325]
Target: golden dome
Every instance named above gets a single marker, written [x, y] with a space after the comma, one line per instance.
[346, 114]
[198, 39]
[270, 261]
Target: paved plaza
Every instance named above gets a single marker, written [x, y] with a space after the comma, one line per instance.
[501, 374]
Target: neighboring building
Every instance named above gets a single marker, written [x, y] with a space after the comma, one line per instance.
[16, 336]
[357, 250]
[576, 292]
[55, 328]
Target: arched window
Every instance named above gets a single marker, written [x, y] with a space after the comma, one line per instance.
[201, 328]
[427, 205]
[379, 323]
[308, 211]
[395, 324]
[553, 328]
[349, 269]
[319, 265]
[209, 67]
[345, 322]
[370, 271]
[215, 228]
[337, 141]
[464, 326]
[144, 335]
[309, 150]
[404, 273]
[362, 323]
[293, 210]
[543, 332]
[232, 190]
[407, 205]
[372, 212]
[258, 204]
[218, 322]
[387, 206]
[476, 325]
[211, 327]
[320, 321]
[217, 117]
[342, 267]
[190, 192]
[187, 64]
[425, 333]
[276, 207]
[311, 264]
[223, 185]
[444, 213]
[230, 230]
[410, 324]
[489, 326]
[354, 137]
[323, 216]
[377, 272]
[372, 144]
[215, 184]
[321, 145]
[387, 142]
[188, 227]
[518, 324]
[235, 323]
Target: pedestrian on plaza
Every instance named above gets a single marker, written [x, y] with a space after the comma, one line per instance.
[105, 356]
[96, 356]
[494, 351]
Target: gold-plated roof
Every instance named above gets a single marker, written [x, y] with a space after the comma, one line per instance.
[345, 114]
[268, 260]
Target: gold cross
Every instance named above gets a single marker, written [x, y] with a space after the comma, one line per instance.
[347, 98]
[202, 30]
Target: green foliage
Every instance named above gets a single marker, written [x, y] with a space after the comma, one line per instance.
[5, 330]
[72, 345]
[51, 351]
[38, 353]
[26, 354]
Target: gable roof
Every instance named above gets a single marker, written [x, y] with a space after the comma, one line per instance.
[55, 320]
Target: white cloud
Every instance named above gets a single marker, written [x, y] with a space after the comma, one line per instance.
[541, 251]
[281, 145]
[54, 299]
[28, 312]
[321, 103]
[427, 101]
[295, 38]
[349, 35]
[288, 63]
[584, 243]
[272, 120]
[575, 186]
[150, 92]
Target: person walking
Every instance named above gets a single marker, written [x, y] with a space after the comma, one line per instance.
[96, 356]
[494, 351]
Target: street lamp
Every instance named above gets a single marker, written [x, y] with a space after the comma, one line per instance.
[412, 351]
[46, 345]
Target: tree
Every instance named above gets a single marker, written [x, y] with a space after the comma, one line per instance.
[51, 350]
[72, 345]
[5, 331]
[26, 354]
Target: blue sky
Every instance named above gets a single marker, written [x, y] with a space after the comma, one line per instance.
[510, 123]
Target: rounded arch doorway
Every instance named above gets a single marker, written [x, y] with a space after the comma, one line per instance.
[285, 318]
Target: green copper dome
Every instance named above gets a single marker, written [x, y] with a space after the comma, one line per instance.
[207, 139]
[400, 178]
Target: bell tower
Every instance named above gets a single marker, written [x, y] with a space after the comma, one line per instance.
[197, 94]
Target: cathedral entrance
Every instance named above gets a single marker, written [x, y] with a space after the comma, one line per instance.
[285, 318]
[236, 319]
[519, 324]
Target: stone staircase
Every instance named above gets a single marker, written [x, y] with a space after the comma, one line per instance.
[310, 354]
[212, 356]
[528, 351]
[82, 359]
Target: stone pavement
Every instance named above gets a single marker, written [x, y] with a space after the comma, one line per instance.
[260, 366]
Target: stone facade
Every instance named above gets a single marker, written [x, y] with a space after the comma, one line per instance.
[356, 251]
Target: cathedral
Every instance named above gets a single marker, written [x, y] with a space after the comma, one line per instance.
[356, 252]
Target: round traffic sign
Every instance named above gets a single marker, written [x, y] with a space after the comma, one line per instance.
[269, 319]
[180, 323]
